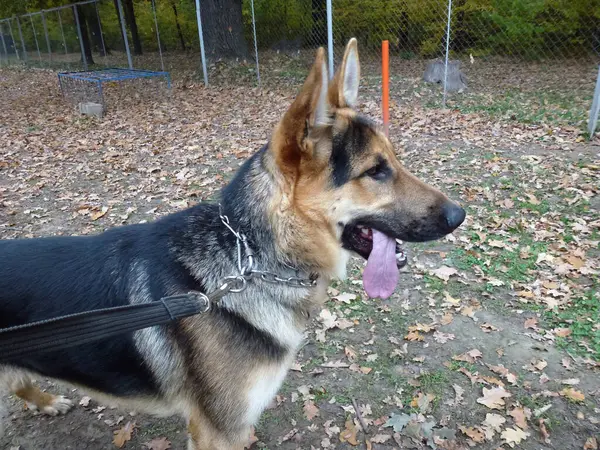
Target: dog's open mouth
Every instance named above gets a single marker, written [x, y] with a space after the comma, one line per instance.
[384, 256]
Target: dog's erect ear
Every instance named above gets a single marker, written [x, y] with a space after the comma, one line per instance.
[308, 111]
[343, 91]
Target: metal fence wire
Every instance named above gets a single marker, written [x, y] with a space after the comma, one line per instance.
[534, 61]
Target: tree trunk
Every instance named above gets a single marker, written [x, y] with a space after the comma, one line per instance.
[132, 25]
[93, 24]
[223, 28]
[85, 39]
[179, 32]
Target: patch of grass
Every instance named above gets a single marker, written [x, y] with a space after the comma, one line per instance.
[508, 265]
[433, 284]
[456, 365]
[582, 317]
[541, 106]
[434, 382]
[542, 207]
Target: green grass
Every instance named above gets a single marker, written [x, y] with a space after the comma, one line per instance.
[507, 265]
[456, 365]
[582, 317]
[549, 107]
[434, 382]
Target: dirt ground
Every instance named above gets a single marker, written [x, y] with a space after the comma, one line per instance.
[492, 340]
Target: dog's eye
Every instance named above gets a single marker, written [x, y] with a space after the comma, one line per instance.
[378, 172]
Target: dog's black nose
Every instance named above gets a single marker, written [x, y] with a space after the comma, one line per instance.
[453, 214]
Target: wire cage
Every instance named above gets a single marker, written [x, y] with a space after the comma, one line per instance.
[87, 86]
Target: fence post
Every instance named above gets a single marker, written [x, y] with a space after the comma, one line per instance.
[330, 37]
[23, 48]
[37, 45]
[162, 64]
[201, 37]
[80, 36]
[595, 111]
[124, 31]
[447, 51]
[62, 33]
[4, 43]
[101, 33]
[47, 37]
[12, 36]
[255, 43]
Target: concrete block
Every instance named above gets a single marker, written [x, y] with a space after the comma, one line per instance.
[91, 109]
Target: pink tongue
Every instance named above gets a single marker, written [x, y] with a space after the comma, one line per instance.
[381, 274]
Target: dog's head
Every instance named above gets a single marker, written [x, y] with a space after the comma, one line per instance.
[342, 186]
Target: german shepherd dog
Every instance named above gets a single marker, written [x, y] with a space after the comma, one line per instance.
[327, 184]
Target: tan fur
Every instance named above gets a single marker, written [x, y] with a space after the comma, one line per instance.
[306, 200]
[22, 386]
[204, 436]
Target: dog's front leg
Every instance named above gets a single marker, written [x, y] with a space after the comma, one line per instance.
[203, 435]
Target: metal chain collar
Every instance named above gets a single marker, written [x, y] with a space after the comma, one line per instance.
[238, 283]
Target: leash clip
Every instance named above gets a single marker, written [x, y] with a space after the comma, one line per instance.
[200, 298]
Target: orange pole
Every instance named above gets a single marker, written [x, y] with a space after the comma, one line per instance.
[385, 78]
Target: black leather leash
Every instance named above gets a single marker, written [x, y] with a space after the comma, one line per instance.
[59, 333]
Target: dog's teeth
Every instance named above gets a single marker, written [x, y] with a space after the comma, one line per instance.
[400, 256]
[399, 241]
[364, 231]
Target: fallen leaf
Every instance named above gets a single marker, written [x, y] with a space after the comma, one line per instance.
[488, 327]
[576, 262]
[468, 311]
[591, 444]
[397, 421]
[494, 421]
[504, 372]
[496, 244]
[343, 323]
[349, 433]
[442, 338]
[85, 401]
[98, 214]
[494, 398]
[122, 435]
[345, 297]
[540, 365]
[491, 380]
[310, 409]
[451, 300]
[531, 323]
[473, 377]
[380, 438]
[328, 319]
[414, 336]
[573, 394]
[446, 319]
[422, 402]
[518, 415]
[544, 431]
[338, 364]
[513, 436]
[562, 332]
[421, 327]
[475, 433]
[470, 356]
[444, 272]
[160, 444]
[570, 381]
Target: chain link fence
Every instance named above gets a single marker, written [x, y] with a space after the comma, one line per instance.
[531, 61]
